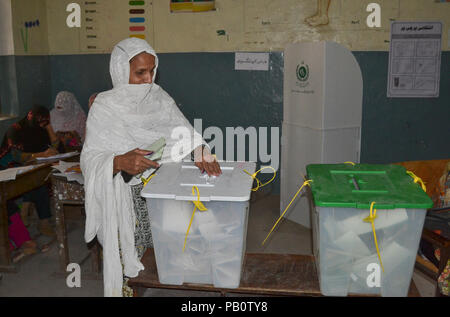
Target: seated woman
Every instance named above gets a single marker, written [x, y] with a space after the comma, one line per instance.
[68, 120]
[28, 139]
[19, 237]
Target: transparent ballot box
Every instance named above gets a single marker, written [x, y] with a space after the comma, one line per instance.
[214, 249]
[367, 222]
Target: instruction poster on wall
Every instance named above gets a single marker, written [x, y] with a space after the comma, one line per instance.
[415, 59]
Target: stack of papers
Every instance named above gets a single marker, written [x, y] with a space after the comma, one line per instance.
[71, 176]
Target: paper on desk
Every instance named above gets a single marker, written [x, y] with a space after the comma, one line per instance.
[63, 166]
[8, 174]
[11, 173]
[71, 176]
[57, 156]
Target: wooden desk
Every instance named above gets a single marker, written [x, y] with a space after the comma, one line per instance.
[12, 189]
[69, 193]
[64, 192]
[428, 268]
[263, 274]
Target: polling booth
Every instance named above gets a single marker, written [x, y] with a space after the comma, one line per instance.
[322, 113]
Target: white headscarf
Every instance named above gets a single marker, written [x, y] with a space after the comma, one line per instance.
[67, 115]
[120, 120]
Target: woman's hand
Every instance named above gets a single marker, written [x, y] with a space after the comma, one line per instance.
[47, 153]
[51, 133]
[206, 162]
[133, 162]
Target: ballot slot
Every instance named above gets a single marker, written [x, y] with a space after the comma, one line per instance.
[191, 175]
[363, 182]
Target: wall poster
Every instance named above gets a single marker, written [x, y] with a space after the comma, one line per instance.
[415, 59]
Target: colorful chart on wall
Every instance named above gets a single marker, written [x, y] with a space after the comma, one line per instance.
[192, 5]
[103, 23]
[238, 25]
[107, 22]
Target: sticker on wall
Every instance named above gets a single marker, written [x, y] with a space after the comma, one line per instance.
[251, 61]
[192, 5]
[24, 33]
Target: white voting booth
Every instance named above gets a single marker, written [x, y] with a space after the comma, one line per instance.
[322, 113]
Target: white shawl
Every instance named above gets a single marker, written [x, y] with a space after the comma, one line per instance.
[67, 115]
[120, 120]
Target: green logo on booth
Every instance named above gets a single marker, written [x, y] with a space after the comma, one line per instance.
[302, 72]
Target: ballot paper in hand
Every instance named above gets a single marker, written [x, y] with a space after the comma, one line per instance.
[156, 149]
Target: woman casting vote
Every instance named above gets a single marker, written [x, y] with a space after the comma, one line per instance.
[121, 123]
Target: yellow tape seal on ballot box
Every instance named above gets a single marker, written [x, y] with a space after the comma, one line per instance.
[371, 219]
[197, 205]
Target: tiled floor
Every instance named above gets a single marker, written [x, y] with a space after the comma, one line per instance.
[37, 274]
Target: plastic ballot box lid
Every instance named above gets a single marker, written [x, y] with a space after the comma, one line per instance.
[176, 181]
[357, 186]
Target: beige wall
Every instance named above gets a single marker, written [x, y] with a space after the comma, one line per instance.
[249, 25]
[6, 39]
[34, 39]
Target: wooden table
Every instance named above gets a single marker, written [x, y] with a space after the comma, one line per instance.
[12, 189]
[263, 274]
[69, 193]
[428, 268]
